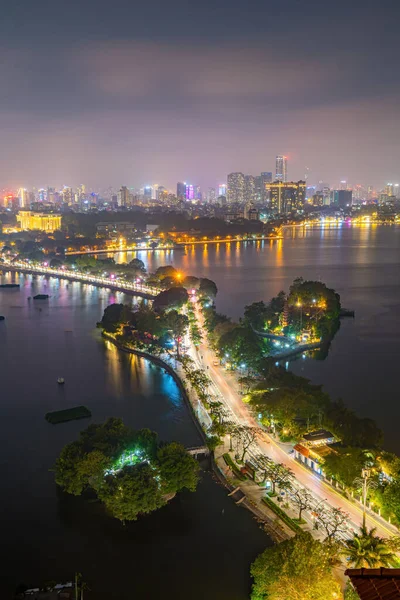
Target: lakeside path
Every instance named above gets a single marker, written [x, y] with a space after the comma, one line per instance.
[137, 289]
[226, 384]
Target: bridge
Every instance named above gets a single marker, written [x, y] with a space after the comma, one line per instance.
[273, 336]
[198, 451]
[134, 288]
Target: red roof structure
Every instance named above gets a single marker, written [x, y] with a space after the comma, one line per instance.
[376, 584]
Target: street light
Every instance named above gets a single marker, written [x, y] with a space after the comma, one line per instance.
[366, 483]
[301, 314]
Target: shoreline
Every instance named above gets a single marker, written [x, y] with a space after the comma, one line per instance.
[276, 532]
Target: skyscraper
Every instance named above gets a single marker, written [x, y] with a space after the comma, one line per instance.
[287, 196]
[235, 187]
[68, 196]
[211, 195]
[342, 198]
[265, 177]
[249, 188]
[123, 196]
[181, 190]
[281, 168]
[222, 189]
[23, 198]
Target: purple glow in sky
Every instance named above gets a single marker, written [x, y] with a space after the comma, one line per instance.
[128, 93]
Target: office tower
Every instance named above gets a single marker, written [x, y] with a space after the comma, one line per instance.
[161, 193]
[287, 196]
[249, 188]
[211, 195]
[341, 198]
[68, 196]
[281, 168]
[123, 196]
[343, 184]
[148, 192]
[390, 189]
[235, 187]
[265, 177]
[181, 190]
[189, 191]
[317, 199]
[154, 189]
[222, 189]
[51, 195]
[197, 192]
[23, 198]
[42, 195]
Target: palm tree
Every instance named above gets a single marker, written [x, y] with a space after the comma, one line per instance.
[366, 549]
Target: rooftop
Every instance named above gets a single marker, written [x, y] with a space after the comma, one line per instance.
[376, 584]
[319, 434]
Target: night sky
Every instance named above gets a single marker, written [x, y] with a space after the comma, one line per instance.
[124, 92]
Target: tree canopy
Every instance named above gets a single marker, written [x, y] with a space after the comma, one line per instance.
[299, 569]
[175, 297]
[129, 470]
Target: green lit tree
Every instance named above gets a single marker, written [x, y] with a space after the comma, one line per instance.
[131, 491]
[177, 468]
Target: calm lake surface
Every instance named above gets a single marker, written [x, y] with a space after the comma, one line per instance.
[199, 546]
[361, 263]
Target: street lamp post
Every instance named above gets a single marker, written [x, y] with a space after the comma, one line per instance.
[301, 314]
[366, 483]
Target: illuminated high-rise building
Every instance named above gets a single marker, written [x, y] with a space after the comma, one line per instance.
[281, 168]
[235, 187]
[222, 189]
[23, 198]
[181, 190]
[249, 188]
[123, 196]
[190, 191]
[286, 196]
[68, 196]
[211, 195]
[265, 177]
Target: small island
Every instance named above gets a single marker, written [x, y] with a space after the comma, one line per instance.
[131, 472]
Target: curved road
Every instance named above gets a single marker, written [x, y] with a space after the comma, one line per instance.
[227, 385]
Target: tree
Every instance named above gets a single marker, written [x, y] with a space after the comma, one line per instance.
[177, 468]
[147, 321]
[191, 283]
[256, 315]
[276, 473]
[177, 324]
[137, 265]
[344, 464]
[332, 520]
[299, 569]
[55, 263]
[131, 491]
[175, 297]
[245, 437]
[208, 288]
[166, 271]
[242, 345]
[366, 549]
[301, 498]
[114, 314]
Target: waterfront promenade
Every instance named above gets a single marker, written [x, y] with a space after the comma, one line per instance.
[134, 288]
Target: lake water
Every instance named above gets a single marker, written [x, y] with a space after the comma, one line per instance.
[361, 263]
[199, 546]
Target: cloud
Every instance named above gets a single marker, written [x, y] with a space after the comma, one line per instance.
[128, 72]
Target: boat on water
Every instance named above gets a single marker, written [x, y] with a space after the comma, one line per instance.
[61, 380]
[2, 318]
[41, 297]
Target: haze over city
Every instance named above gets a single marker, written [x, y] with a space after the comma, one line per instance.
[171, 91]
